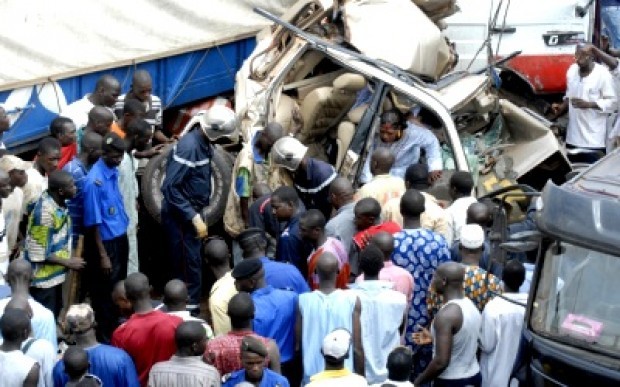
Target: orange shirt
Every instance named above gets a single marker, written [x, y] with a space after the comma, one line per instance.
[115, 128]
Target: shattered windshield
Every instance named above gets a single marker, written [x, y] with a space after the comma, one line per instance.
[578, 298]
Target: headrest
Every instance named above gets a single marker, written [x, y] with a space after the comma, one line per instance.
[350, 82]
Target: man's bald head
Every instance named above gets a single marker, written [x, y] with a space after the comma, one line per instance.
[480, 214]
[341, 186]
[341, 192]
[76, 362]
[100, 113]
[142, 78]
[327, 267]
[385, 242]
[91, 140]
[19, 271]
[175, 295]
[190, 335]
[449, 275]
[241, 310]
[20, 301]
[216, 252]
[107, 81]
[137, 287]
[381, 161]
[412, 204]
[107, 91]
[99, 119]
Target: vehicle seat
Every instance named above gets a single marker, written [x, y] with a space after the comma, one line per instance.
[284, 112]
[323, 106]
[346, 129]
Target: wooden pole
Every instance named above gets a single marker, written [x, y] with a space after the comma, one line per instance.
[73, 278]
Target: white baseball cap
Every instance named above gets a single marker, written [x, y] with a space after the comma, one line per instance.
[472, 236]
[337, 343]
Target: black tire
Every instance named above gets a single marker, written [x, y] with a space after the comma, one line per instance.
[221, 174]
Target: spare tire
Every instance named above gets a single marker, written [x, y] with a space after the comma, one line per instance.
[221, 174]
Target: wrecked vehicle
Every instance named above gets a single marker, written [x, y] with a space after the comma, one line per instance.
[308, 69]
[572, 326]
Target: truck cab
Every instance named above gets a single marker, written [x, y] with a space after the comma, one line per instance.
[545, 31]
[572, 327]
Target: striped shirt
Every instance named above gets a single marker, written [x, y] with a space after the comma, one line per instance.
[49, 233]
[184, 371]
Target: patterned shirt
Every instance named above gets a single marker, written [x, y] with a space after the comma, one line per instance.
[224, 352]
[420, 252]
[476, 287]
[48, 233]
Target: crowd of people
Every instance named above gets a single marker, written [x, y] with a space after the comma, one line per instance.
[317, 283]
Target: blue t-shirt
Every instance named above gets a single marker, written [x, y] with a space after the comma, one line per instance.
[284, 276]
[270, 379]
[110, 364]
[274, 317]
[103, 202]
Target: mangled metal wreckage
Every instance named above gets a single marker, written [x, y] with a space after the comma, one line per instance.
[309, 68]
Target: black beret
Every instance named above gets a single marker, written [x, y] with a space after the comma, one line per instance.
[247, 268]
[113, 141]
[254, 345]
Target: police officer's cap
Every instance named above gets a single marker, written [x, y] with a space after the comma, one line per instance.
[254, 345]
[113, 142]
[247, 268]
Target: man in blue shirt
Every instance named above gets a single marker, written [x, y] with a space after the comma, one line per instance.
[110, 364]
[105, 218]
[78, 167]
[311, 177]
[275, 310]
[253, 354]
[187, 189]
[277, 274]
[289, 245]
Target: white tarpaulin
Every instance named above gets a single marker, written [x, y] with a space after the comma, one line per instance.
[42, 39]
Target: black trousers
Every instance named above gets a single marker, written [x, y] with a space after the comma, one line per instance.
[292, 370]
[51, 298]
[100, 285]
[184, 250]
